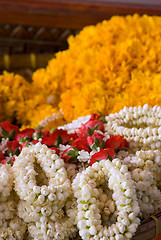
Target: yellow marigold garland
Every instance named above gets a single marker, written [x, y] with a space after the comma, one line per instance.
[14, 89]
[2, 114]
[107, 66]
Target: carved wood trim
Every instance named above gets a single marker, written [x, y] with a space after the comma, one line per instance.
[25, 39]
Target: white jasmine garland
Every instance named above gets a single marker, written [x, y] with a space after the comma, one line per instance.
[41, 207]
[62, 227]
[33, 213]
[3, 145]
[51, 118]
[145, 168]
[7, 233]
[7, 209]
[89, 217]
[106, 205]
[62, 148]
[75, 124]
[141, 125]
[106, 136]
[83, 156]
[6, 181]
[25, 176]
[15, 229]
[72, 170]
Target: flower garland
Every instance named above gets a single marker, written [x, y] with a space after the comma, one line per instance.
[22, 102]
[42, 206]
[145, 168]
[14, 230]
[11, 226]
[140, 125]
[89, 218]
[52, 165]
[6, 181]
[2, 115]
[113, 183]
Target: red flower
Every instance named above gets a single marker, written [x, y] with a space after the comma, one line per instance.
[63, 134]
[57, 137]
[83, 131]
[48, 141]
[57, 150]
[8, 161]
[40, 134]
[81, 144]
[95, 116]
[8, 130]
[95, 125]
[1, 156]
[25, 144]
[25, 135]
[12, 159]
[13, 147]
[96, 140]
[100, 117]
[74, 136]
[107, 153]
[116, 142]
[89, 127]
[4, 161]
[34, 141]
[70, 155]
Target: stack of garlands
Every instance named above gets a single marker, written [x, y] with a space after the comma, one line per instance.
[94, 178]
[105, 67]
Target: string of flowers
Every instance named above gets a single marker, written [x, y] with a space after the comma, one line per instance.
[42, 208]
[11, 226]
[89, 218]
[79, 177]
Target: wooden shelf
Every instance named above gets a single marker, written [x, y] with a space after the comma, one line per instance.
[73, 14]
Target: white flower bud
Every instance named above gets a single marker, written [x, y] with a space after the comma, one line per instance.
[128, 235]
[36, 189]
[46, 211]
[44, 190]
[92, 230]
[41, 199]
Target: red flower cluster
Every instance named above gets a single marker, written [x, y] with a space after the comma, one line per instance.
[90, 136]
[17, 140]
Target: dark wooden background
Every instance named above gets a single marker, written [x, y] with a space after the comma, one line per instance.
[44, 25]
[71, 13]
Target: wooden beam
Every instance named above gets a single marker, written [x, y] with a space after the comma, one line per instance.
[69, 13]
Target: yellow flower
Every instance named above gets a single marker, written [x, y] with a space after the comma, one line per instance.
[2, 111]
[100, 69]
[107, 66]
[14, 89]
[40, 113]
[143, 88]
[89, 100]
